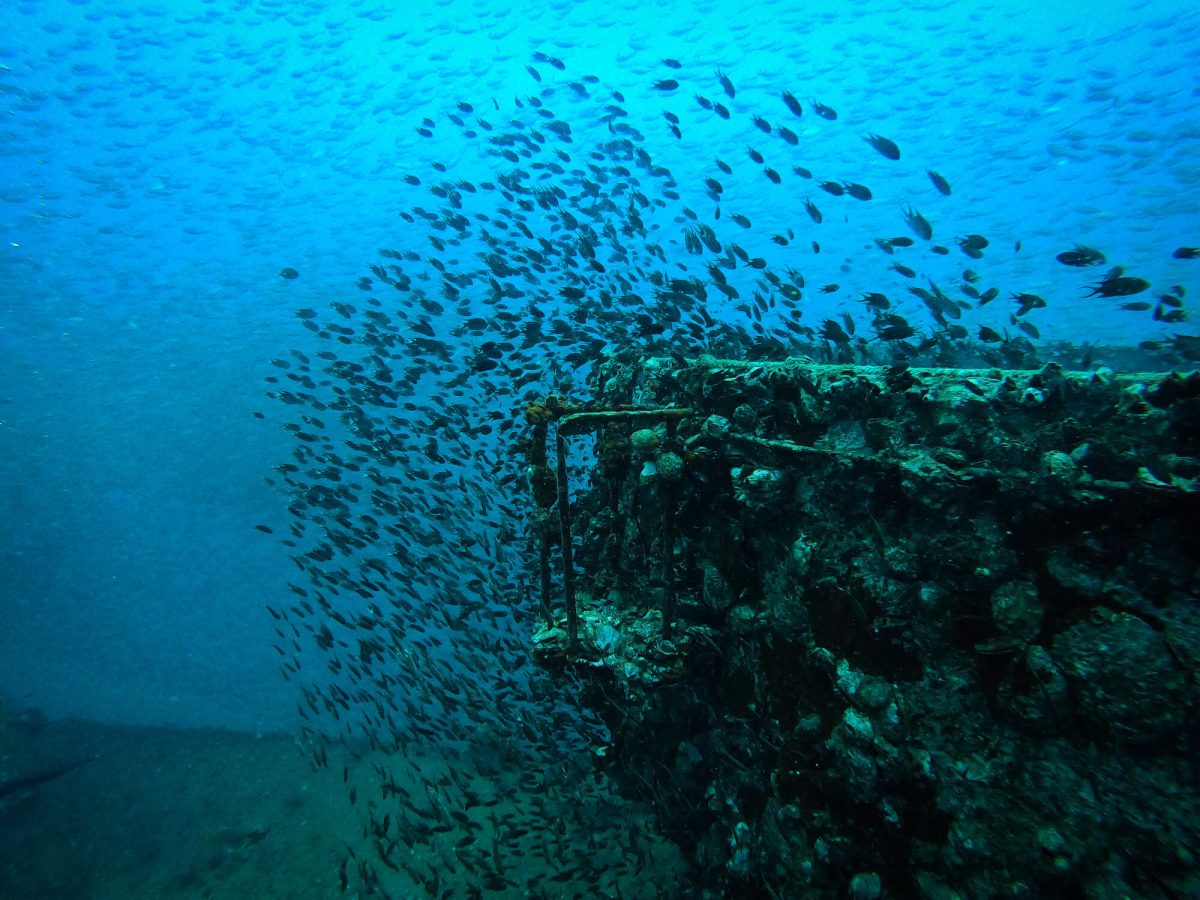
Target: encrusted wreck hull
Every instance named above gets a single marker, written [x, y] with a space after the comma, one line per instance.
[893, 632]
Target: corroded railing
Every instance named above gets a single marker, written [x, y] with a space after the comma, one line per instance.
[576, 423]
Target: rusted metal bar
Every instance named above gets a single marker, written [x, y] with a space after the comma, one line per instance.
[581, 423]
[564, 519]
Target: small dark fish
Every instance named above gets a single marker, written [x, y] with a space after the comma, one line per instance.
[666, 84]
[939, 182]
[973, 245]
[551, 60]
[891, 327]
[1187, 253]
[787, 134]
[989, 335]
[832, 331]
[857, 191]
[832, 187]
[825, 112]
[918, 223]
[726, 84]
[802, 172]
[720, 110]
[1118, 284]
[265, 529]
[792, 103]
[761, 124]
[754, 155]
[1081, 257]
[772, 174]
[1028, 327]
[886, 147]
[830, 289]
[724, 167]
[1026, 302]
[289, 273]
[903, 270]
[813, 212]
[672, 64]
[1136, 306]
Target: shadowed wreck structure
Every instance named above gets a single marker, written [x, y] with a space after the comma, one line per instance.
[867, 631]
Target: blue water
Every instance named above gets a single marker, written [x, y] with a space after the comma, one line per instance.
[163, 162]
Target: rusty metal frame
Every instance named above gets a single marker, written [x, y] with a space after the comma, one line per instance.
[583, 423]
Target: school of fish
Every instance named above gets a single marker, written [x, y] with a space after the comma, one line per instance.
[409, 614]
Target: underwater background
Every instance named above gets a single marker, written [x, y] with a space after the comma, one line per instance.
[180, 178]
